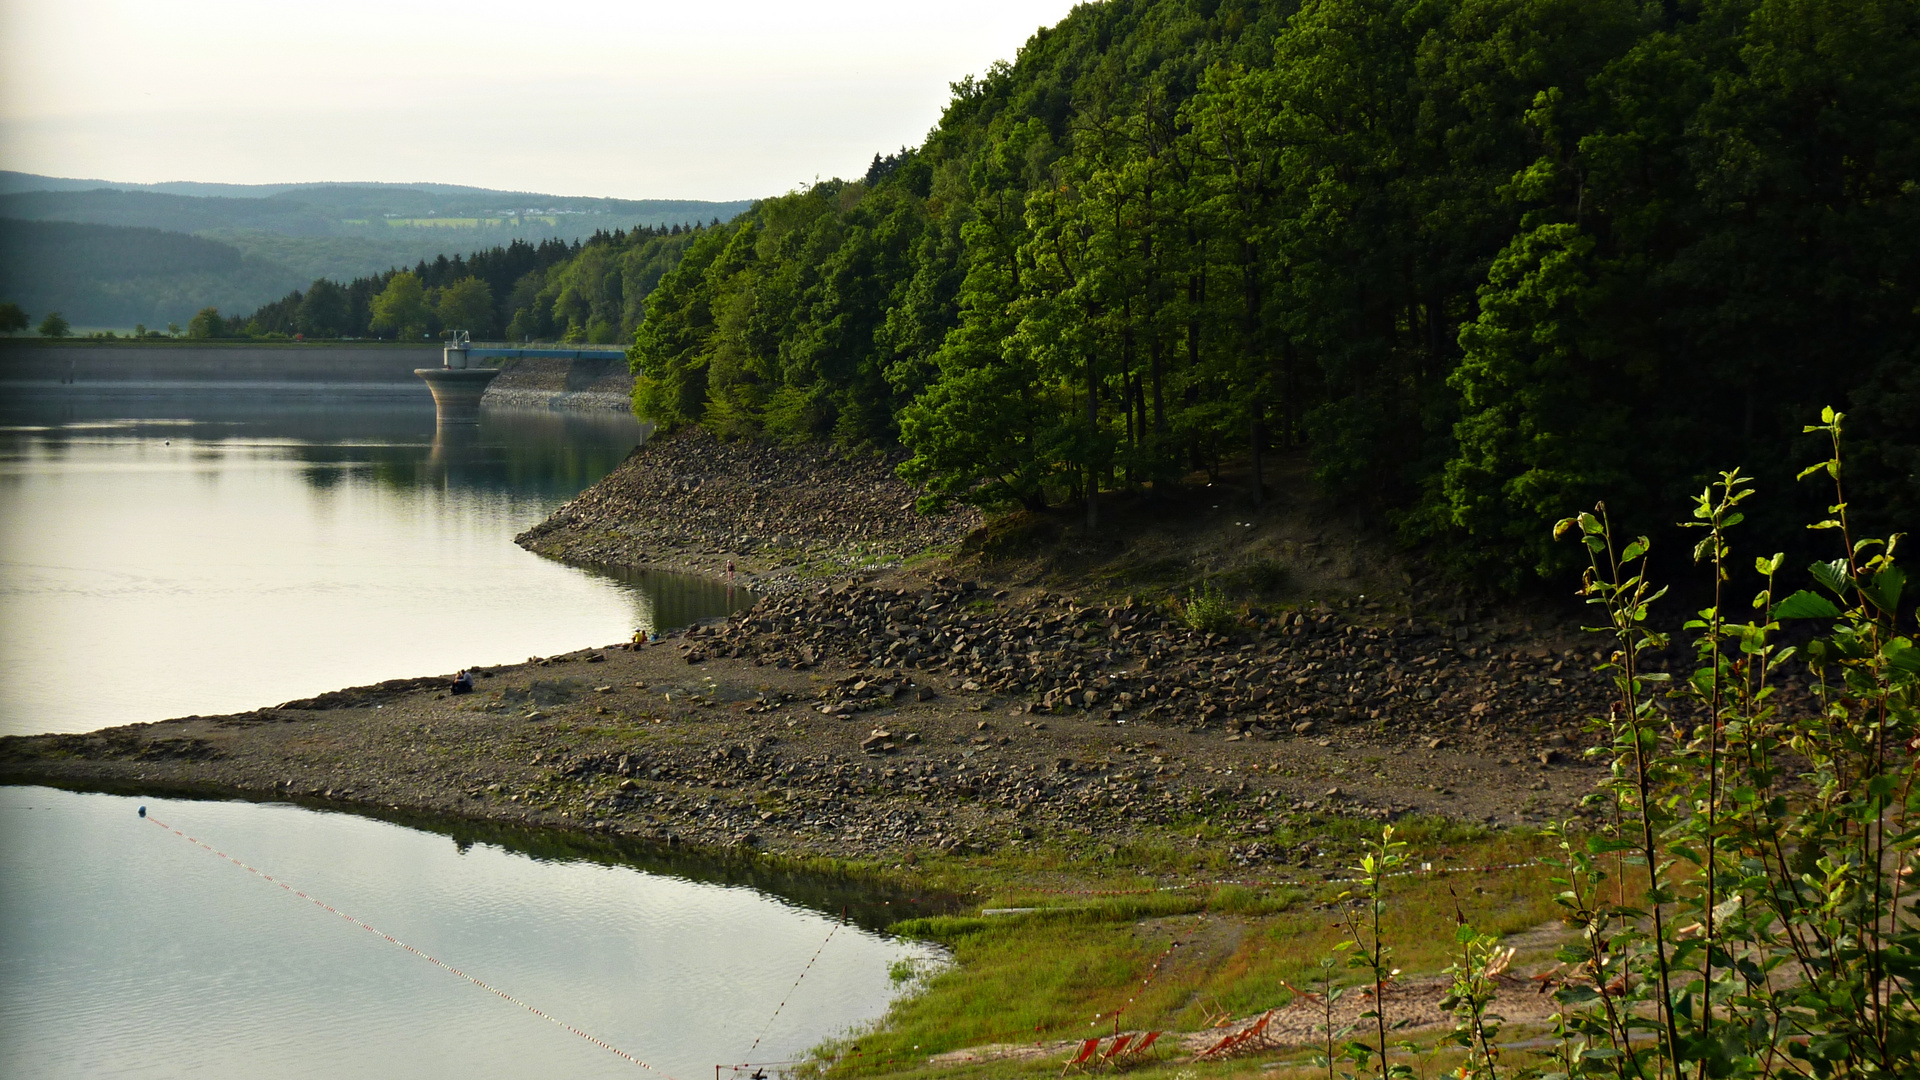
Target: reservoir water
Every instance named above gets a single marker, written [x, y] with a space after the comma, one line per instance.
[172, 550]
[128, 952]
[173, 547]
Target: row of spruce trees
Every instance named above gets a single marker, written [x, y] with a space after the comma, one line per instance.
[552, 291]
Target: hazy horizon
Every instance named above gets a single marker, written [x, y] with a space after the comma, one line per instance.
[731, 100]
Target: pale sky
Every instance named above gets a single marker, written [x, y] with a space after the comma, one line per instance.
[721, 99]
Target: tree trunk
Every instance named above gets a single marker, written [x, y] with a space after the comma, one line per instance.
[1093, 431]
[1257, 436]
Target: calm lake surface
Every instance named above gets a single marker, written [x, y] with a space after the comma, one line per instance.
[166, 551]
[128, 952]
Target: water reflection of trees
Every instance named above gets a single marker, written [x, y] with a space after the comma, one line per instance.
[385, 437]
[390, 442]
[530, 452]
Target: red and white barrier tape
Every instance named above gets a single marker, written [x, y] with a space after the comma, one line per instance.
[390, 939]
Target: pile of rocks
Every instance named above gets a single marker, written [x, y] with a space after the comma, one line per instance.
[599, 382]
[944, 802]
[1284, 674]
[685, 500]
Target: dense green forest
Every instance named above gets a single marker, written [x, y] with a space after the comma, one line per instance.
[1484, 260]
[552, 291]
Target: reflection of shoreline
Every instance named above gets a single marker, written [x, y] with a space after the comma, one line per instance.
[665, 600]
[869, 900]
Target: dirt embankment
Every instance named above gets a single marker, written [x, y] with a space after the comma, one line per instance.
[689, 502]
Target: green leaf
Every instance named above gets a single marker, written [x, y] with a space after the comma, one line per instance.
[1833, 575]
[1901, 653]
[1884, 589]
[1804, 605]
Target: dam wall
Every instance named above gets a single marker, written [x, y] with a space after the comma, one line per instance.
[89, 365]
[596, 383]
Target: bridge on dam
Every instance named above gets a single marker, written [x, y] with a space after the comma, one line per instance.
[464, 372]
[537, 350]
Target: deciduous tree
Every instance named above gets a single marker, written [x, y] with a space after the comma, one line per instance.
[401, 308]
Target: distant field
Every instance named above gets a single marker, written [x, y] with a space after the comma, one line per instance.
[465, 223]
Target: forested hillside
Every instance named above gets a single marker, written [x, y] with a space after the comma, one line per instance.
[1485, 259]
[116, 276]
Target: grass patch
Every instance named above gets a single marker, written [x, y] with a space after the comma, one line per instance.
[1263, 578]
[1064, 970]
[1013, 535]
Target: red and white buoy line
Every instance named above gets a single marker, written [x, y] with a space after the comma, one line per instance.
[834, 929]
[390, 939]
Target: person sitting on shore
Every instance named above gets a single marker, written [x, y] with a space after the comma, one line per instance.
[463, 683]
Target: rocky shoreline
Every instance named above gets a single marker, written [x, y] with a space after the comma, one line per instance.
[595, 383]
[587, 400]
[917, 713]
[901, 710]
[690, 503]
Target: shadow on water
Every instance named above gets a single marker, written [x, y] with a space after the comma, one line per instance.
[870, 901]
[673, 600]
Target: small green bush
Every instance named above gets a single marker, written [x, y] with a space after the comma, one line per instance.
[1207, 610]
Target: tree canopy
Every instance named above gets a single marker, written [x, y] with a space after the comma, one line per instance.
[1483, 260]
[401, 309]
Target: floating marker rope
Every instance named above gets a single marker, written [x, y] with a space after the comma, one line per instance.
[796, 983]
[390, 939]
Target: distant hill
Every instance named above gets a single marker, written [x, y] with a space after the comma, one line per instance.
[57, 236]
[175, 213]
[343, 209]
[12, 182]
[109, 275]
